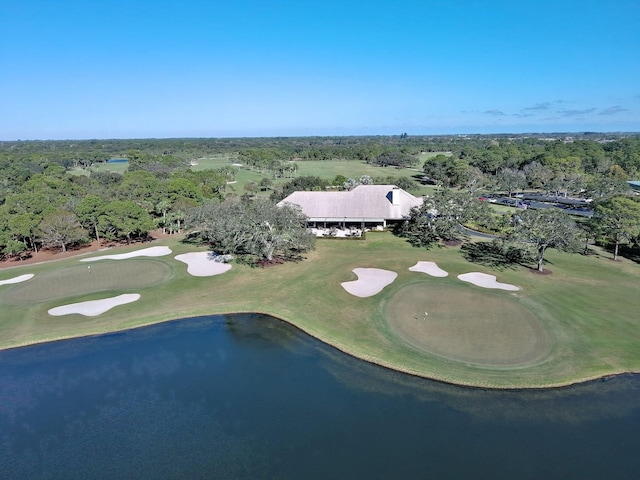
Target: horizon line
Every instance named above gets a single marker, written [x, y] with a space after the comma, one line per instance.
[405, 134]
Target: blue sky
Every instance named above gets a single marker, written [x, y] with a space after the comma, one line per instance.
[138, 69]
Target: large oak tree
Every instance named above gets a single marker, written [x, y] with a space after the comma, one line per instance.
[60, 229]
[617, 220]
[256, 227]
[440, 216]
[543, 229]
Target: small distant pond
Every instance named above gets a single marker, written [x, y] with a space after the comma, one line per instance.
[249, 396]
[118, 160]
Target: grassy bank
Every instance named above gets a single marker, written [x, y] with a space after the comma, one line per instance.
[588, 307]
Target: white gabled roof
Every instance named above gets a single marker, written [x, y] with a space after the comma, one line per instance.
[365, 202]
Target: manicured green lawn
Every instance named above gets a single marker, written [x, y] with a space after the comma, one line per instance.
[473, 325]
[211, 163]
[350, 169]
[324, 169]
[74, 280]
[584, 316]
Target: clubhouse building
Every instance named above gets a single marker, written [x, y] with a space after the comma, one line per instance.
[364, 207]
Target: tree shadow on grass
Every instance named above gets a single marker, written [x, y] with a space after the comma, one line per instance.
[630, 252]
[496, 254]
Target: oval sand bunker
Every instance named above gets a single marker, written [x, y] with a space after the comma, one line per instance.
[467, 326]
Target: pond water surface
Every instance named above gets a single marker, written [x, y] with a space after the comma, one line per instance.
[249, 396]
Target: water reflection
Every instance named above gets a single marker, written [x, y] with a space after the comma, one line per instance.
[248, 396]
[578, 403]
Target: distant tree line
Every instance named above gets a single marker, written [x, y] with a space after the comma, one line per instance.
[42, 204]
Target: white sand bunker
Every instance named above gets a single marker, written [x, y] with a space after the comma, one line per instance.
[145, 252]
[430, 268]
[486, 281]
[21, 278]
[370, 281]
[93, 308]
[202, 264]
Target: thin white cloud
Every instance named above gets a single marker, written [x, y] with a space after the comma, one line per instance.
[495, 113]
[540, 106]
[575, 112]
[613, 110]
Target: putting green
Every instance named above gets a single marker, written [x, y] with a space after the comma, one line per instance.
[464, 324]
[80, 279]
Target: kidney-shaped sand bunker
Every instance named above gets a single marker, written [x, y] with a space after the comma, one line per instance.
[469, 326]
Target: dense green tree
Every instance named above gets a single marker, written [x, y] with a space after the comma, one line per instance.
[23, 228]
[299, 183]
[617, 172]
[178, 213]
[395, 159]
[563, 165]
[88, 211]
[617, 220]
[602, 187]
[439, 168]
[440, 216]
[107, 180]
[158, 164]
[9, 245]
[182, 188]
[511, 180]
[256, 227]
[402, 182]
[419, 228]
[280, 231]
[497, 253]
[124, 220]
[162, 208]
[251, 188]
[211, 183]
[472, 179]
[338, 180]
[265, 184]
[60, 229]
[538, 176]
[543, 229]
[143, 188]
[487, 160]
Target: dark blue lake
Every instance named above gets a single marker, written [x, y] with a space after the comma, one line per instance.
[248, 396]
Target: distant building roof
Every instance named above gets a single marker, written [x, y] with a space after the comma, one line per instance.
[635, 184]
[363, 203]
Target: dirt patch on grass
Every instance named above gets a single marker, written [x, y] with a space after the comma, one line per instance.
[544, 271]
[467, 326]
[264, 263]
